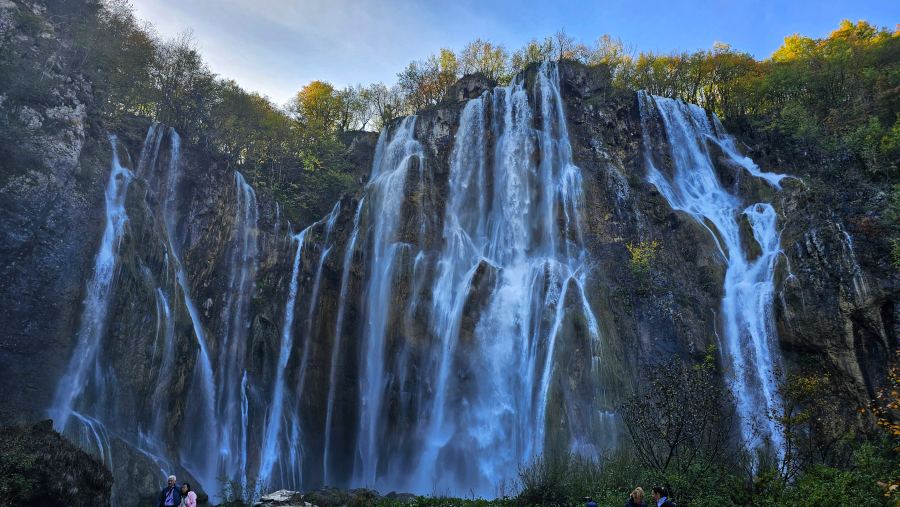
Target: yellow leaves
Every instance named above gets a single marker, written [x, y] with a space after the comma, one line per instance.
[795, 46]
[861, 32]
[838, 44]
[318, 105]
[642, 254]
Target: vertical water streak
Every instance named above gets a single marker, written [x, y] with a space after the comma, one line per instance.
[165, 366]
[270, 448]
[395, 152]
[198, 450]
[338, 335]
[97, 294]
[245, 424]
[314, 296]
[293, 417]
[860, 287]
[751, 352]
[514, 232]
[242, 265]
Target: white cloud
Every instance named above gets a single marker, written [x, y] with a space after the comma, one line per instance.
[276, 46]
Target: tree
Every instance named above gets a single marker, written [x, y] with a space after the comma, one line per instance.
[386, 103]
[317, 107]
[485, 57]
[426, 83]
[119, 55]
[611, 52]
[355, 111]
[183, 85]
[815, 424]
[532, 52]
[682, 422]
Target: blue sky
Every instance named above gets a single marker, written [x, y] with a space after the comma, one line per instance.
[276, 46]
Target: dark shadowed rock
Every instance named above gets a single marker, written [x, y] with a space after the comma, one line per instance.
[469, 87]
[41, 468]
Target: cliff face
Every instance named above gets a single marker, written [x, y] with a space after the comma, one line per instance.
[475, 304]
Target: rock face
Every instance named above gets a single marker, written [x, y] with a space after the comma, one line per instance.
[473, 305]
[50, 167]
[282, 498]
[40, 467]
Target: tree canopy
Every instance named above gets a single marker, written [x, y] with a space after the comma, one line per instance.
[836, 96]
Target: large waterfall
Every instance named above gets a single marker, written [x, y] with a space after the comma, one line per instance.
[430, 335]
[750, 350]
[492, 297]
[214, 442]
[86, 372]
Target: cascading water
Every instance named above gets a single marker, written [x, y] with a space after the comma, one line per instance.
[336, 346]
[394, 154]
[242, 264]
[198, 442]
[272, 439]
[84, 359]
[282, 441]
[516, 231]
[524, 240]
[452, 314]
[750, 349]
[89, 391]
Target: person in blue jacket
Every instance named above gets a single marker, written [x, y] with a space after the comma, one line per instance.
[170, 496]
[661, 496]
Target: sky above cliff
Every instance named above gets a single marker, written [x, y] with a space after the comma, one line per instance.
[276, 46]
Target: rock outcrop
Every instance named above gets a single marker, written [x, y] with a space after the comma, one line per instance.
[40, 467]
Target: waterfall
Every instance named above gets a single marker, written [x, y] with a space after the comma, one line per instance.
[512, 227]
[394, 154]
[242, 264]
[472, 299]
[96, 302]
[750, 347]
[314, 297]
[198, 442]
[271, 440]
[338, 333]
[166, 363]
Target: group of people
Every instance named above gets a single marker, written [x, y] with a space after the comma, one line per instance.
[174, 496]
[636, 498]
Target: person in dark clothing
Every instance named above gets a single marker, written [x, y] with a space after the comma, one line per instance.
[636, 498]
[589, 502]
[170, 496]
[661, 497]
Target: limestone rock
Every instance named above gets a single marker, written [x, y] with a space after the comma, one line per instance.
[283, 498]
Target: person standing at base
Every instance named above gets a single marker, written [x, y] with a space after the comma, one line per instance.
[661, 497]
[636, 498]
[170, 496]
[188, 497]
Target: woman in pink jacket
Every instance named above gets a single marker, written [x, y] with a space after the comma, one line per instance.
[188, 497]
